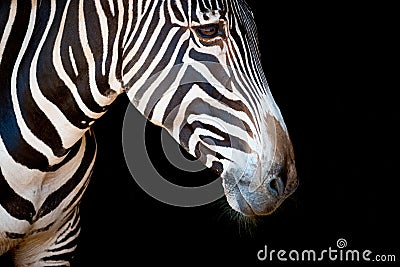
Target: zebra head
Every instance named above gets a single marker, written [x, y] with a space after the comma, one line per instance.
[200, 78]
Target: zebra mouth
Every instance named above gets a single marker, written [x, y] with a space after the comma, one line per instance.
[256, 209]
[249, 205]
[262, 201]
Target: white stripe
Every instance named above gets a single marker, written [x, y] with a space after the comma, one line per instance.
[54, 180]
[73, 63]
[19, 177]
[129, 23]
[97, 96]
[136, 27]
[58, 65]
[104, 33]
[225, 127]
[138, 44]
[68, 132]
[195, 139]
[115, 84]
[240, 78]
[75, 219]
[184, 23]
[159, 109]
[154, 63]
[248, 59]
[240, 158]
[193, 93]
[42, 222]
[190, 13]
[158, 83]
[111, 3]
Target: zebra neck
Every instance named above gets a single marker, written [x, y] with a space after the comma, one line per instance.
[54, 85]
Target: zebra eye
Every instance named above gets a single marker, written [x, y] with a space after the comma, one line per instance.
[208, 31]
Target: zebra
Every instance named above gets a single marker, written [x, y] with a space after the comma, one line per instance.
[63, 64]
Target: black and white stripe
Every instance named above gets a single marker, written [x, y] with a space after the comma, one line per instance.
[62, 63]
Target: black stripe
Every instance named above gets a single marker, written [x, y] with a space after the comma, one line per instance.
[67, 256]
[42, 229]
[176, 100]
[73, 231]
[192, 11]
[199, 106]
[245, 40]
[14, 235]
[167, 54]
[42, 128]
[136, 36]
[79, 194]
[113, 25]
[5, 12]
[55, 198]
[166, 83]
[16, 146]
[203, 57]
[17, 206]
[202, 150]
[237, 105]
[228, 140]
[52, 87]
[184, 137]
[190, 75]
[71, 154]
[204, 6]
[177, 14]
[61, 230]
[70, 39]
[95, 40]
[156, 47]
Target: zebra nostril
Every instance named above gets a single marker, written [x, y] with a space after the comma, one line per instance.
[275, 186]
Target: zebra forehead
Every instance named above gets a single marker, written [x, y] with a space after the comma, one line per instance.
[206, 5]
[193, 7]
[203, 5]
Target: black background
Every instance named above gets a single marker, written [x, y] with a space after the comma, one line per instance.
[330, 68]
